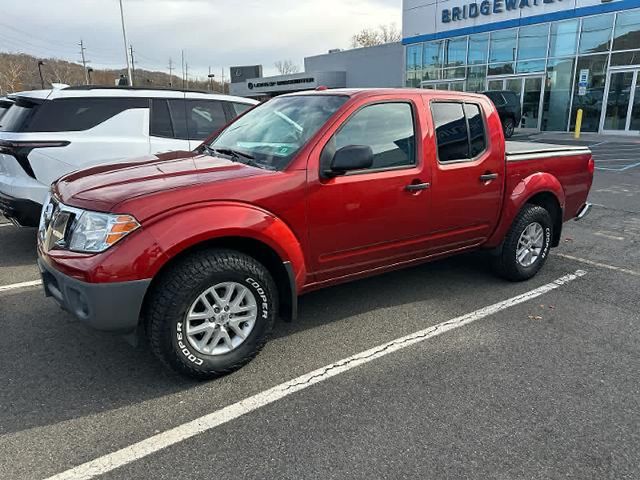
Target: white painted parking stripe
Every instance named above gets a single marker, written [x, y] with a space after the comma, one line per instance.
[586, 261]
[6, 224]
[16, 286]
[153, 444]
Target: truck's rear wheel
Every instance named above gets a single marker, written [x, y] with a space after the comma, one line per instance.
[211, 313]
[526, 246]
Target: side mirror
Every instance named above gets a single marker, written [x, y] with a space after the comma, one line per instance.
[349, 158]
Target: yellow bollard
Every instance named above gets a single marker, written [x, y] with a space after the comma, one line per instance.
[576, 134]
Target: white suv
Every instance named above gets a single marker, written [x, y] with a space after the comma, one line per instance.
[48, 133]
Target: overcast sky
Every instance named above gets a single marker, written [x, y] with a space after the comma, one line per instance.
[216, 33]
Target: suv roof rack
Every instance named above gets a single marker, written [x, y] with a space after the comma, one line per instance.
[125, 87]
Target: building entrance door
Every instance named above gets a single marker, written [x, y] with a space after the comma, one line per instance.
[622, 103]
[530, 90]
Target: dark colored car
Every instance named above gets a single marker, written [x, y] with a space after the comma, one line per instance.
[508, 105]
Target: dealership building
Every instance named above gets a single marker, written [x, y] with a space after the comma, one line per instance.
[558, 56]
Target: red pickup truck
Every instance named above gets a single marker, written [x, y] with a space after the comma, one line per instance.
[202, 250]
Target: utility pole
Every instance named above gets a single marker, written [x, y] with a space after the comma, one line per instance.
[222, 81]
[133, 66]
[186, 73]
[183, 70]
[126, 53]
[170, 72]
[84, 62]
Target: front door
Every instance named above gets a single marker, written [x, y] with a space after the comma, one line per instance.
[622, 103]
[369, 218]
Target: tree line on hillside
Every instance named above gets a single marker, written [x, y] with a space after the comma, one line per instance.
[19, 72]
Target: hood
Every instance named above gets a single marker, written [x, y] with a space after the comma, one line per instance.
[102, 188]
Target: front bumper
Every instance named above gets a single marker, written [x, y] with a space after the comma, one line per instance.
[26, 213]
[113, 307]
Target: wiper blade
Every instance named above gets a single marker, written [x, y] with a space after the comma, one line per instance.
[232, 152]
[238, 156]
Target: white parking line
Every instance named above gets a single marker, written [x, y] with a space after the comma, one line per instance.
[6, 224]
[598, 264]
[153, 444]
[16, 286]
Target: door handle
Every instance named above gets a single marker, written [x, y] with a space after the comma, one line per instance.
[416, 187]
[487, 177]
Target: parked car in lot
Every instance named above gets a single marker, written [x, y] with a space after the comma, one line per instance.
[201, 251]
[509, 109]
[5, 103]
[48, 133]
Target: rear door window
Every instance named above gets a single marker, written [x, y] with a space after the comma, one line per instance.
[160, 119]
[460, 131]
[204, 117]
[496, 98]
[177, 110]
[77, 114]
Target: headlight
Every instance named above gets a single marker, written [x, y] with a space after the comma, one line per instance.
[95, 232]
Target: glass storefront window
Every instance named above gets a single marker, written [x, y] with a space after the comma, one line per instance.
[627, 32]
[455, 51]
[591, 102]
[503, 46]
[557, 94]
[476, 77]
[532, 42]
[456, 72]
[564, 38]
[414, 65]
[530, 66]
[501, 69]
[431, 60]
[478, 48]
[625, 58]
[596, 33]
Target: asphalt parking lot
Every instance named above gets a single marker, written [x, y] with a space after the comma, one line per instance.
[542, 387]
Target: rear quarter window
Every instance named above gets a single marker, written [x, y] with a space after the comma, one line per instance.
[77, 114]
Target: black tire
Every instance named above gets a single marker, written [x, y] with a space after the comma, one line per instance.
[178, 289]
[506, 263]
[508, 127]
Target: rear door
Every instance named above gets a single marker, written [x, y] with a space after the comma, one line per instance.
[368, 218]
[468, 176]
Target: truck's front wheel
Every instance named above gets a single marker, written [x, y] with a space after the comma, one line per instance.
[211, 313]
[526, 246]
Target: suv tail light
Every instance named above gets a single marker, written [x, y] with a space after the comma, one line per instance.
[20, 150]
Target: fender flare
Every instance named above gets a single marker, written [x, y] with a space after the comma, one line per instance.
[522, 193]
[226, 219]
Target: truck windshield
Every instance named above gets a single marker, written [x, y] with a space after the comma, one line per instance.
[273, 132]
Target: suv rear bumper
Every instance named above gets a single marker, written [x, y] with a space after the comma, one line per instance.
[25, 213]
[113, 307]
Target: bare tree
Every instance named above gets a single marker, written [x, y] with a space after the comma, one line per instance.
[11, 75]
[370, 37]
[285, 67]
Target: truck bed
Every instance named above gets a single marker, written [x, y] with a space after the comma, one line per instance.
[516, 151]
